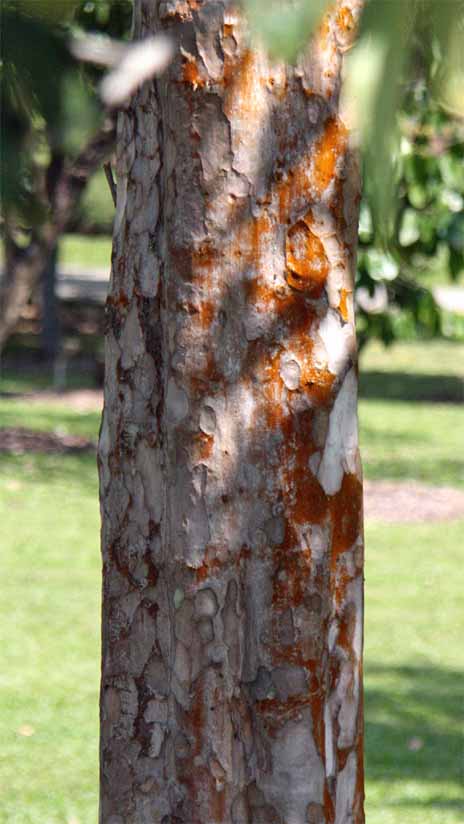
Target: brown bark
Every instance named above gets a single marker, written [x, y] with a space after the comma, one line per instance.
[231, 488]
[63, 186]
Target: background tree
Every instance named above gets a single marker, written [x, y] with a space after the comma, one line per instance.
[53, 133]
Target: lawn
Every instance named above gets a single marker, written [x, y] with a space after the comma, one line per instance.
[87, 251]
[49, 632]
[411, 412]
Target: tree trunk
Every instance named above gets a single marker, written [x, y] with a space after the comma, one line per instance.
[231, 486]
[50, 317]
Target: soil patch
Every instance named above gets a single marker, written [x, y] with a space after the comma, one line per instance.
[79, 400]
[411, 502]
[18, 440]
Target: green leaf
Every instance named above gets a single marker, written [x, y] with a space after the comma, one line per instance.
[284, 28]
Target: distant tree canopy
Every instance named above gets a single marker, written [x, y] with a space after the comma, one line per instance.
[406, 74]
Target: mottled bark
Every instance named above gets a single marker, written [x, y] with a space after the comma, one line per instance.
[230, 479]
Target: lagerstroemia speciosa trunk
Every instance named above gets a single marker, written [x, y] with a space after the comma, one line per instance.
[231, 488]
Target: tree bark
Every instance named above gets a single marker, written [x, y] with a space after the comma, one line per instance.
[231, 490]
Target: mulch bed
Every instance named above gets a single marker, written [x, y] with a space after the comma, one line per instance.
[407, 502]
[17, 440]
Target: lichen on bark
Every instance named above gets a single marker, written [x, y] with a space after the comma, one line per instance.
[231, 489]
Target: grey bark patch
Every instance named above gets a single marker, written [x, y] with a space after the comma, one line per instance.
[341, 447]
[156, 742]
[156, 675]
[206, 603]
[345, 791]
[206, 630]
[275, 530]
[294, 752]
[177, 403]
[208, 420]
[156, 711]
[289, 681]
[131, 340]
[290, 373]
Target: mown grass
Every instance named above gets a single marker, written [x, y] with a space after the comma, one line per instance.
[49, 630]
[411, 412]
[414, 667]
[87, 251]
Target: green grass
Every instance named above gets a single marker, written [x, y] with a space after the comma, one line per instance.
[414, 673]
[86, 251]
[48, 418]
[49, 635]
[411, 412]
[49, 629]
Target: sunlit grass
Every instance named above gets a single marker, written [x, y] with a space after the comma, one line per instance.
[49, 636]
[411, 412]
[414, 673]
[87, 251]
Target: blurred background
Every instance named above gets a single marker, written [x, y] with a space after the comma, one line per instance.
[56, 223]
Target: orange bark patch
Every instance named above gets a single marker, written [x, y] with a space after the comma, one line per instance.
[318, 384]
[346, 515]
[204, 258]
[329, 807]
[276, 712]
[294, 187]
[208, 569]
[329, 148]
[323, 31]
[307, 263]
[343, 304]
[207, 313]
[346, 629]
[292, 573]
[345, 20]
[191, 73]
[305, 503]
[240, 82]
[203, 446]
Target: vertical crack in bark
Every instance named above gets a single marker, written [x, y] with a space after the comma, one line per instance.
[230, 479]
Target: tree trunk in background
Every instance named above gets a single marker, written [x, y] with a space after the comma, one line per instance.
[231, 487]
[50, 317]
[66, 184]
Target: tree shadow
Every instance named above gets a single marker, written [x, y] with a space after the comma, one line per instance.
[404, 386]
[413, 725]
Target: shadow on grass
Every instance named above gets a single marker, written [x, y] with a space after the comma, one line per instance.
[438, 801]
[404, 386]
[413, 725]
[62, 472]
[435, 471]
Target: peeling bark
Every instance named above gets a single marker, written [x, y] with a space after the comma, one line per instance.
[231, 489]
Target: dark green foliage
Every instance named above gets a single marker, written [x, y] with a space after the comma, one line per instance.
[48, 98]
[427, 233]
